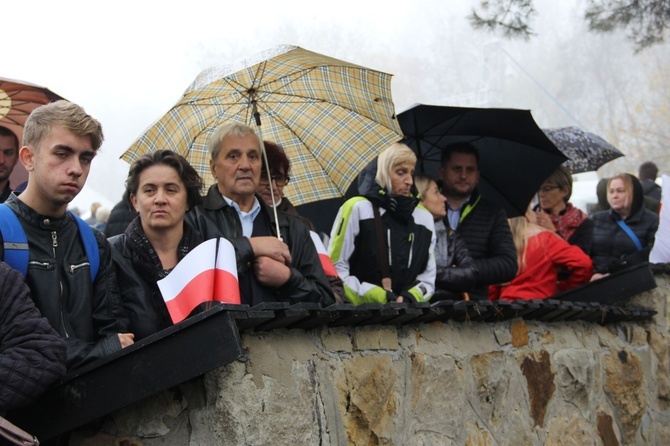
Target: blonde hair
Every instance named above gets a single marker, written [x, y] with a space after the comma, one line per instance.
[422, 183]
[519, 228]
[397, 153]
[63, 113]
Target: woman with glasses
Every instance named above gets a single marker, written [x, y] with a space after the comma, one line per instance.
[274, 196]
[279, 175]
[555, 212]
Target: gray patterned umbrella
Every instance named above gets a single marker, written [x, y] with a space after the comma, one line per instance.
[586, 151]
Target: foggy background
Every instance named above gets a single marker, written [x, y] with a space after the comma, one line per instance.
[128, 62]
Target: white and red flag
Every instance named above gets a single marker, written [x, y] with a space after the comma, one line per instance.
[326, 262]
[207, 273]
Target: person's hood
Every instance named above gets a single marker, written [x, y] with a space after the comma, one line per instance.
[398, 205]
[366, 179]
[601, 192]
[638, 195]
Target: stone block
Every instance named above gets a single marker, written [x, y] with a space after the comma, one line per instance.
[519, 331]
[335, 339]
[569, 431]
[375, 338]
[367, 389]
[575, 377]
[624, 385]
[536, 367]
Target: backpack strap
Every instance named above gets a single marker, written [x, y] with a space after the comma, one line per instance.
[15, 243]
[90, 245]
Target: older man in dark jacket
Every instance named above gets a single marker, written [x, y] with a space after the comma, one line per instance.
[269, 269]
[32, 355]
[482, 225]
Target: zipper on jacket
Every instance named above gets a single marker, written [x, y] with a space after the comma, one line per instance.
[411, 249]
[74, 268]
[45, 265]
[54, 245]
[388, 243]
[54, 242]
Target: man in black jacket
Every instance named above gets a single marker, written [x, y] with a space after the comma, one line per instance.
[60, 141]
[269, 269]
[482, 225]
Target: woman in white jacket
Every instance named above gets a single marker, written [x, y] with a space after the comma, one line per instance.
[389, 258]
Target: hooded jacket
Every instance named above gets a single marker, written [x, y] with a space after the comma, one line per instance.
[307, 283]
[409, 239]
[88, 315]
[611, 245]
[32, 355]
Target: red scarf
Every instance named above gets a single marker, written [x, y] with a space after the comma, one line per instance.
[567, 221]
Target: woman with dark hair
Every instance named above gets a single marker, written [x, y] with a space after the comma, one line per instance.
[161, 186]
[555, 212]
[624, 234]
[273, 195]
[382, 243]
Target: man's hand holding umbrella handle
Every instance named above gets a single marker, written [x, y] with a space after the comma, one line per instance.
[271, 247]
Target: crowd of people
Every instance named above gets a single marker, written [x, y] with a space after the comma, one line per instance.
[406, 237]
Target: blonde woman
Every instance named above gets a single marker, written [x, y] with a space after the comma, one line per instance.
[381, 243]
[456, 272]
[541, 252]
[624, 234]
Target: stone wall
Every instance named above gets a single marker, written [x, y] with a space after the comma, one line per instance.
[510, 383]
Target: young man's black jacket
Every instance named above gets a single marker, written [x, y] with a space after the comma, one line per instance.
[88, 315]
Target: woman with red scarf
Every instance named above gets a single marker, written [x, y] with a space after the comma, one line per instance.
[557, 214]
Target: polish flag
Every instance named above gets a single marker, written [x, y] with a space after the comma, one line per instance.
[207, 273]
[326, 263]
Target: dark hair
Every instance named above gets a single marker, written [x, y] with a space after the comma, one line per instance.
[276, 157]
[4, 131]
[648, 171]
[186, 172]
[458, 147]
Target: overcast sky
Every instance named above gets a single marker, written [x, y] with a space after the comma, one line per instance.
[127, 62]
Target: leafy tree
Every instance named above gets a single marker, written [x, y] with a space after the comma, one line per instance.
[645, 20]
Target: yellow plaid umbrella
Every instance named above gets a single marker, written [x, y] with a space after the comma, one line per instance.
[331, 117]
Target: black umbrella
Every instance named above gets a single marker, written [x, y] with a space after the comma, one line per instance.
[586, 151]
[515, 154]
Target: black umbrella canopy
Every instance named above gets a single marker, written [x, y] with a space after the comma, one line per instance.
[515, 154]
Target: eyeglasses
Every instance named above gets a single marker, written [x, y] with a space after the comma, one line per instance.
[546, 189]
[279, 179]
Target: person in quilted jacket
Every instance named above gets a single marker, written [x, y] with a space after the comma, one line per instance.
[32, 354]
